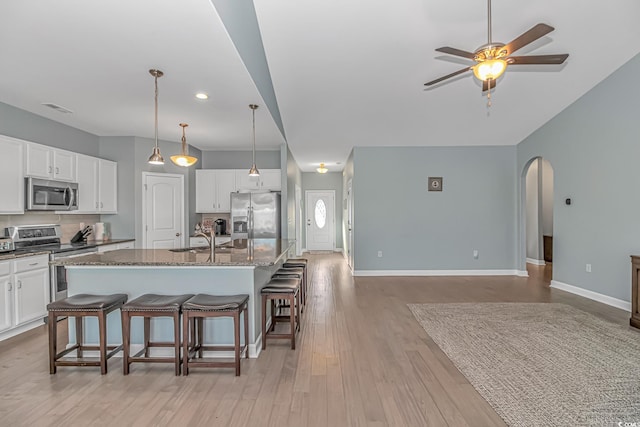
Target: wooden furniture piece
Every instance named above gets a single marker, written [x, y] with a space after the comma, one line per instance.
[302, 263]
[547, 245]
[80, 306]
[202, 306]
[635, 291]
[148, 306]
[277, 289]
[292, 272]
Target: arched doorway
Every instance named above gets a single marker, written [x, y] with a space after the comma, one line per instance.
[538, 218]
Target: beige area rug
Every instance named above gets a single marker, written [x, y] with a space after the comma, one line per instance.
[541, 364]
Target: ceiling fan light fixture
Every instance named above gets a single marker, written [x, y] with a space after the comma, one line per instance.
[183, 159]
[322, 169]
[489, 69]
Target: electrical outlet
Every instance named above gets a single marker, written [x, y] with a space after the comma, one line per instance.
[379, 254]
[475, 254]
[588, 268]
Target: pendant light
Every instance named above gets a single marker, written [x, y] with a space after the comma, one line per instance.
[184, 159]
[156, 157]
[322, 169]
[254, 169]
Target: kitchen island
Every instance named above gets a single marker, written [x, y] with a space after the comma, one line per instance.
[240, 267]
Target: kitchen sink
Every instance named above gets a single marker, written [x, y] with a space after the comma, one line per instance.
[201, 249]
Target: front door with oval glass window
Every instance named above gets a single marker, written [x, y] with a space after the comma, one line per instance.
[320, 212]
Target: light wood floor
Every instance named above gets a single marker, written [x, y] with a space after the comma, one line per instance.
[361, 360]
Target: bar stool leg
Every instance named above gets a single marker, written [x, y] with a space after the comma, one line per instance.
[246, 332]
[79, 337]
[53, 341]
[264, 322]
[188, 337]
[200, 322]
[147, 334]
[126, 341]
[236, 341]
[102, 325]
[292, 319]
[176, 340]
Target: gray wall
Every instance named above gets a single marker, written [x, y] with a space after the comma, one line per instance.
[22, 124]
[547, 197]
[421, 230]
[293, 178]
[325, 181]
[593, 148]
[239, 160]
[347, 175]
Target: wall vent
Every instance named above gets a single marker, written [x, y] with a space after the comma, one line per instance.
[57, 107]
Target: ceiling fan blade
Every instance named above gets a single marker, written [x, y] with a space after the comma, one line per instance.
[488, 84]
[528, 37]
[456, 52]
[448, 76]
[538, 59]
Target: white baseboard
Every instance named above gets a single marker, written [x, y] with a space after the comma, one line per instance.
[22, 328]
[436, 273]
[522, 273]
[536, 261]
[605, 299]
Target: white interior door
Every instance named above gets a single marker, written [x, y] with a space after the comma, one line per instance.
[320, 208]
[163, 219]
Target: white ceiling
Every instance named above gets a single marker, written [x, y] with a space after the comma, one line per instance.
[345, 73]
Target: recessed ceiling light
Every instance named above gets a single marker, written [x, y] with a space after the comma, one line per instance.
[201, 95]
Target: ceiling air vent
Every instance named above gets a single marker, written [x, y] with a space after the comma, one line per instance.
[57, 108]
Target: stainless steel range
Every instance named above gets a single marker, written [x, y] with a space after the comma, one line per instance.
[38, 238]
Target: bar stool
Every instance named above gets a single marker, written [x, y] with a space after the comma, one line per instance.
[295, 272]
[201, 306]
[80, 306]
[301, 263]
[276, 289]
[148, 306]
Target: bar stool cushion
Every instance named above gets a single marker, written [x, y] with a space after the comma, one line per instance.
[87, 302]
[291, 269]
[281, 285]
[302, 261]
[204, 302]
[153, 302]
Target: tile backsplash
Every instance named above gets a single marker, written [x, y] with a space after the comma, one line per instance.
[69, 224]
[213, 216]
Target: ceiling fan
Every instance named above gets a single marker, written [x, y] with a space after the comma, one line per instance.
[493, 58]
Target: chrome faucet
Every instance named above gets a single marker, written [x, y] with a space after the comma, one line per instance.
[211, 239]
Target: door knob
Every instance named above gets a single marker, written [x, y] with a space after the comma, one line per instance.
[177, 234]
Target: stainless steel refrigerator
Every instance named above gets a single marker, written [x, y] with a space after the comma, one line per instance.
[255, 215]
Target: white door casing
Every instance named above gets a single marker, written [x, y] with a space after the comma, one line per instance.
[320, 210]
[350, 223]
[298, 218]
[163, 210]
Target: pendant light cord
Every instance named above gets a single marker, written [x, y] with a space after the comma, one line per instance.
[489, 20]
[254, 135]
[156, 114]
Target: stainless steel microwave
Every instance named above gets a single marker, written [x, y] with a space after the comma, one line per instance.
[45, 195]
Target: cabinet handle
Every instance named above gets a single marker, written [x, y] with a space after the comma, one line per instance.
[10, 287]
[19, 284]
[34, 263]
[96, 205]
[101, 205]
[57, 170]
[50, 169]
[177, 234]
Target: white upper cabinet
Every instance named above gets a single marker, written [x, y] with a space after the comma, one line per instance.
[269, 179]
[87, 168]
[97, 185]
[108, 186]
[46, 162]
[213, 190]
[11, 175]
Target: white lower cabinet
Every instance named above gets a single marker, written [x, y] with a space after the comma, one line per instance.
[25, 290]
